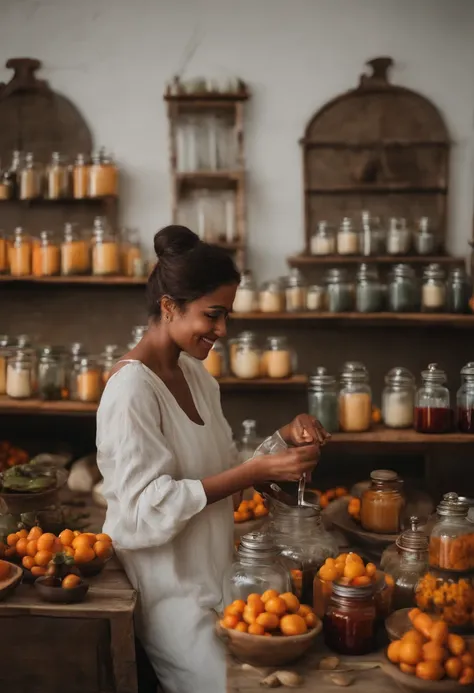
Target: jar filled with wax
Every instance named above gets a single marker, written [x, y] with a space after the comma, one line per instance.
[347, 238]
[372, 236]
[214, 363]
[398, 237]
[425, 239]
[51, 375]
[272, 297]
[316, 298]
[105, 251]
[369, 290]
[410, 565]
[339, 292]
[382, 504]
[75, 353]
[80, 177]
[465, 400]
[433, 290]
[246, 360]
[20, 254]
[277, 359]
[246, 296]
[57, 178]
[350, 622]
[31, 182]
[88, 380]
[323, 400]
[244, 337]
[46, 256]
[355, 398]
[458, 291]
[452, 537]
[75, 253]
[103, 176]
[4, 249]
[20, 375]
[323, 241]
[402, 290]
[398, 398]
[5, 353]
[295, 292]
[432, 402]
[108, 359]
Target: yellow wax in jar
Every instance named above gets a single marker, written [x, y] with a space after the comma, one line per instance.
[355, 411]
[46, 261]
[20, 260]
[105, 258]
[103, 180]
[75, 258]
[80, 182]
[129, 255]
[278, 363]
[88, 386]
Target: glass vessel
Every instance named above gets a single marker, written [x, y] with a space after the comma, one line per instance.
[248, 441]
[465, 400]
[137, 335]
[410, 566]
[355, 398]
[369, 290]
[277, 359]
[103, 176]
[449, 596]
[51, 375]
[4, 246]
[347, 238]
[295, 292]
[272, 297]
[398, 398]
[452, 537]
[246, 360]
[13, 173]
[20, 254]
[433, 290]
[30, 179]
[323, 401]
[382, 503]
[458, 291]
[246, 296]
[425, 239]
[105, 251]
[432, 402]
[20, 375]
[88, 378]
[7, 187]
[316, 298]
[372, 237]
[80, 177]
[5, 352]
[339, 292]
[46, 256]
[214, 363]
[108, 359]
[398, 237]
[131, 259]
[402, 290]
[57, 178]
[350, 622]
[323, 241]
[246, 337]
[75, 253]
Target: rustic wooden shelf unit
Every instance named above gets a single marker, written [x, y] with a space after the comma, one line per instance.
[408, 319]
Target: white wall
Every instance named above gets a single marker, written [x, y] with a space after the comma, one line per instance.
[113, 57]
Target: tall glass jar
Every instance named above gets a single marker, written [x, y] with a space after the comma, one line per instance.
[108, 359]
[88, 380]
[432, 402]
[425, 239]
[398, 398]
[246, 337]
[350, 622]
[103, 176]
[398, 237]
[433, 290]
[295, 292]
[277, 359]
[5, 352]
[369, 290]
[372, 237]
[248, 441]
[75, 253]
[347, 238]
[80, 177]
[215, 362]
[246, 296]
[452, 537]
[20, 377]
[403, 290]
[382, 503]
[323, 401]
[14, 172]
[57, 178]
[323, 241]
[51, 375]
[246, 361]
[410, 566]
[46, 256]
[4, 266]
[316, 298]
[6, 186]
[449, 596]
[131, 258]
[355, 398]
[30, 179]
[339, 292]
[20, 254]
[458, 291]
[272, 297]
[105, 252]
[465, 400]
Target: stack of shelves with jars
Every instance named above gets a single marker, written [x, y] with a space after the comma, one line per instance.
[207, 163]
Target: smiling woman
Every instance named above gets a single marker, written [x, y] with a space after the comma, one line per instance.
[170, 467]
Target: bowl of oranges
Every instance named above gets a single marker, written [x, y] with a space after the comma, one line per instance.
[269, 629]
[251, 513]
[71, 589]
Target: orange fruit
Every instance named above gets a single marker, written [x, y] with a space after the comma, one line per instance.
[4, 570]
[260, 510]
[423, 623]
[276, 606]
[430, 671]
[453, 667]
[414, 636]
[77, 533]
[38, 570]
[413, 614]
[467, 676]
[46, 542]
[363, 580]
[236, 608]
[311, 620]
[254, 597]
[393, 651]
[12, 539]
[32, 547]
[11, 551]
[91, 537]
[103, 549]
[230, 621]
[103, 537]
[250, 614]
[292, 624]
[84, 554]
[269, 594]
[28, 562]
[467, 659]
[353, 569]
[81, 540]
[43, 557]
[439, 632]
[329, 573]
[268, 621]
[34, 533]
[257, 498]
[304, 610]
[256, 629]
[66, 537]
[456, 645]
[292, 602]
[70, 581]
[410, 653]
[22, 534]
[433, 652]
[371, 569]
[68, 551]
[242, 627]
[354, 557]
[407, 669]
[21, 546]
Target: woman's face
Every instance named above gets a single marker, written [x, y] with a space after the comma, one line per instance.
[195, 328]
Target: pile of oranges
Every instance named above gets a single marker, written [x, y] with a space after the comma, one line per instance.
[354, 508]
[269, 614]
[326, 497]
[251, 509]
[348, 569]
[430, 652]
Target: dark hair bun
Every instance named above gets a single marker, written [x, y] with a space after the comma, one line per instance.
[174, 241]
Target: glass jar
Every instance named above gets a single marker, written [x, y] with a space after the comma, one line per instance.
[246, 360]
[108, 359]
[369, 290]
[131, 259]
[295, 292]
[350, 622]
[4, 265]
[14, 172]
[30, 179]
[88, 380]
[214, 363]
[452, 537]
[51, 376]
[433, 290]
[277, 359]
[20, 254]
[402, 290]
[355, 398]
[339, 292]
[425, 240]
[75, 253]
[316, 298]
[57, 178]
[272, 297]
[138, 333]
[398, 398]
[411, 565]
[5, 352]
[432, 402]
[323, 402]
[73, 357]
[465, 400]
[382, 503]
[347, 239]
[448, 596]
[46, 256]
[323, 241]
[246, 296]
[80, 177]
[248, 441]
[19, 375]
[6, 186]
[105, 252]
[398, 237]
[103, 176]
[256, 568]
[244, 337]
[372, 237]
[458, 292]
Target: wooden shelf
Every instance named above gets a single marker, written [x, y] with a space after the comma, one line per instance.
[37, 406]
[376, 189]
[207, 97]
[297, 382]
[304, 260]
[410, 319]
[389, 436]
[63, 201]
[377, 144]
[87, 280]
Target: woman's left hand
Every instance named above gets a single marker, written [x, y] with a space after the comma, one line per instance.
[303, 430]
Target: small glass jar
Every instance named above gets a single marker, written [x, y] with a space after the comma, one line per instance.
[323, 241]
[246, 337]
[30, 179]
[433, 290]
[382, 503]
[402, 290]
[73, 357]
[46, 256]
[449, 596]
[214, 363]
[105, 252]
[5, 352]
[20, 254]
[295, 292]
[339, 292]
[465, 400]
[131, 258]
[316, 298]
[369, 290]
[246, 363]
[88, 380]
[272, 297]
[4, 265]
[103, 176]
[19, 375]
[398, 237]
[452, 537]
[458, 292]
[7, 187]
[14, 172]
[432, 403]
[75, 253]
[80, 177]
[246, 296]
[425, 239]
[347, 238]
[108, 359]
[372, 237]
[57, 178]
[350, 622]
[323, 401]
[398, 398]
[248, 441]
[355, 398]
[410, 566]
[51, 376]
[277, 359]
[138, 332]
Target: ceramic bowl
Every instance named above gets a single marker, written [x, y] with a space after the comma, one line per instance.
[10, 582]
[412, 683]
[56, 594]
[92, 568]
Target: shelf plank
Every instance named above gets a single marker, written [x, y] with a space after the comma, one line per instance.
[207, 97]
[63, 201]
[37, 406]
[376, 189]
[203, 177]
[88, 280]
[305, 260]
[298, 382]
[413, 319]
[389, 436]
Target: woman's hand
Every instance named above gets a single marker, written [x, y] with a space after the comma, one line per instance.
[289, 465]
[303, 430]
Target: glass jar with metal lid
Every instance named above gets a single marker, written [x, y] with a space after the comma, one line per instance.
[271, 297]
[5, 352]
[20, 254]
[246, 296]
[75, 353]
[452, 537]
[246, 337]
[108, 359]
[433, 290]
[57, 178]
[51, 375]
[323, 400]
[20, 376]
[103, 175]
[465, 400]
[458, 291]
[403, 293]
[247, 360]
[256, 567]
[295, 292]
[372, 236]
[278, 359]
[398, 237]
[316, 298]
[88, 378]
[449, 596]
[4, 245]
[432, 402]
[425, 239]
[46, 256]
[105, 251]
[369, 290]
[249, 440]
[137, 335]
[339, 291]
[398, 398]
[382, 503]
[31, 179]
[347, 238]
[411, 564]
[355, 398]
[323, 241]
[350, 621]
[215, 362]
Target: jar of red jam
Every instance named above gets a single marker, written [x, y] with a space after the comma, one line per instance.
[432, 405]
[350, 621]
[465, 400]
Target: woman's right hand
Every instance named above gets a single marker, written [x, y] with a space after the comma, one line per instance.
[289, 465]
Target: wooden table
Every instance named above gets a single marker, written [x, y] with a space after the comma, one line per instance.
[78, 648]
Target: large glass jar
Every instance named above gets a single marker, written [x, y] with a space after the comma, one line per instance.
[323, 241]
[80, 177]
[465, 400]
[20, 378]
[432, 403]
[458, 291]
[323, 400]
[272, 297]
[248, 441]
[20, 254]
[398, 398]
[449, 596]
[398, 237]
[5, 352]
[425, 239]
[51, 375]
[75, 353]
[88, 380]
[339, 292]
[215, 362]
[131, 258]
[452, 537]
[347, 238]
[295, 292]
[411, 565]
[246, 361]
[108, 359]
[105, 251]
[246, 337]
[75, 253]
[246, 296]
[57, 178]
[433, 290]
[316, 298]
[103, 176]
[46, 256]
[355, 398]
[30, 179]
[382, 503]
[4, 267]
[277, 358]
[372, 236]
[369, 290]
[403, 295]
[7, 187]
[350, 621]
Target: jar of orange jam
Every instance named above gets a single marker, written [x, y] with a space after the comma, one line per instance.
[452, 537]
[46, 256]
[88, 380]
[20, 254]
[382, 503]
[105, 251]
[75, 253]
[350, 620]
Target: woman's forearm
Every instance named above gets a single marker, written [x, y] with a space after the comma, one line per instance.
[231, 481]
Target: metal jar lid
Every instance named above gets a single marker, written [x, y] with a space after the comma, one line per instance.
[452, 506]
[322, 228]
[255, 545]
[4, 340]
[467, 371]
[321, 379]
[335, 276]
[413, 539]
[433, 374]
[457, 275]
[366, 271]
[362, 592]
[384, 475]
[346, 225]
[403, 271]
[354, 371]
[434, 271]
[424, 227]
[400, 377]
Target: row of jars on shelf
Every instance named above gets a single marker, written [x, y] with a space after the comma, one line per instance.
[100, 252]
[247, 360]
[373, 237]
[367, 294]
[87, 177]
[347, 406]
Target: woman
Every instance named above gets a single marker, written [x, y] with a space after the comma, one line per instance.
[170, 468]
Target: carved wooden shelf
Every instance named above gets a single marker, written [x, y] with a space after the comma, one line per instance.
[308, 260]
[376, 189]
[380, 319]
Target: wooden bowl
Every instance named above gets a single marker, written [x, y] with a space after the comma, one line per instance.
[13, 579]
[92, 568]
[398, 623]
[18, 503]
[413, 683]
[57, 594]
[260, 651]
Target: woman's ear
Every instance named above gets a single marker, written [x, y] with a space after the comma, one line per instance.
[168, 307]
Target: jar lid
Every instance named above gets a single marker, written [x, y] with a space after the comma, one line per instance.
[110, 349]
[316, 289]
[452, 506]
[274, 285]
[397, 224]
[346, 225]
[23, 340]
[434, 271]
[354, 370]
[295, 278]
[400, 376]
[335, 275]
[246, 336]
[23, 355]
[246, 280]
[77, 348]
[276, 342]
[467, 371]
[321, 378]
[4, 340]
[249, 425]
[384, 475]
[433, 374]
[256, 544]
[457, 274]
[322, 228]
[362, 592]
[366, 271]
[413, 539]
[424, 226]
[403, 270]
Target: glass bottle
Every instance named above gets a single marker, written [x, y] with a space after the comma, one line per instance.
[248, 441]
[277, 358]
[355, 398]
[398, 398]
[369, 290]
[138, 333]
[80, 177]
[131, 258]
[272, 297]
[382, 503]
[6, 186]
[214, 363]
[46, 256]
[425, 239]
[402, 290]
[13, 173]
[51, 376]
[433, 291]
[105, 251]
[5, 352]
[76, 352]
[4, 263]
[244, 337]
[108, 359]
[57, 178]
[19, 375]
[246, 363]
[323, 401]
[75, 253]
[295, 292]
[20, 254]
[246, 296]
[432, 402]
[411, 565]
[103, 176]
[372, 237]
[452, 537]
[88, 380]
[448, 596]
[316, 298]
[458, 291]
[398, 237]
[347, 239]
[30, 179]
[349, 625]
[323, 241]
[465, 400]
[339, 292]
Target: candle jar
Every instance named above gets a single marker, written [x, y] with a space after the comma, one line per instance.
[458, 292]
[246, 361]
[382, 503]
[246, 337]
[452, 537]
[246, 296]
[355, 398]
[410, 565]
[425, 238]
[30, 180]
[108, 359]
[20, 254]
[465, 400]
[57, 178]
[433, 291]
[347, 240]
[5, 353]
[103, 176]
[214, 363]
[4, 265]
[350, 622]
[88, 380]
[398, 237]
[432, 403]
[51, 376]
[105, 252]
[316, 298]
[369, 290]
[295, 292]
[75, 254]
[398, 398]
[19, 375]
[323, 241]
[272, 297]
[323, 401]
[372, 240]
[80, 177]
[339, 292]
[402, 290]
[277, 358]
[46, 256]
